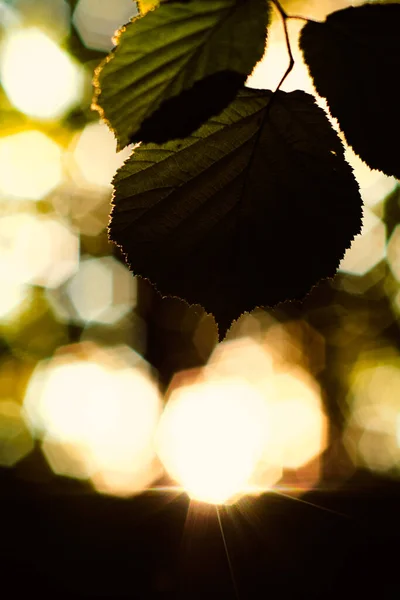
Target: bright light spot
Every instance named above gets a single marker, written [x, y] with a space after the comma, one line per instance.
[36, 249]
[94, 157]
[374, 402]
[242, 357]
[97, 20]
[212, 436]
[374, 185]
[274, 369]
[40, 79]
[97, 411]
[15, 439]
[299, 425]
[12, 299]
[67, 459]
[102, 291]
[368, 248]
[30, 165]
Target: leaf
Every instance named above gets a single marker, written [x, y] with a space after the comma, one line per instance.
[254, 208]
[354, 60]
[146, 5]
[179, 65]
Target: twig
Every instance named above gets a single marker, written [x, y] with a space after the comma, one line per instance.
[281, 10]
[284, 14]
[285, 18]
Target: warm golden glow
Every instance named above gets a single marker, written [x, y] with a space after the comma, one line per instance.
[97, 411]
[40, 79]
[212, 436]
[232, 427]
[299, 425]
[242, 357]
[30, 165]
[297, 421]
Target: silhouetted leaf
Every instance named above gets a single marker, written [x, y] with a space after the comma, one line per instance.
[178, 65]
[354, 60]
[252, 209]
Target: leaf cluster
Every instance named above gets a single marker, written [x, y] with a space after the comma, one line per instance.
[235, 198]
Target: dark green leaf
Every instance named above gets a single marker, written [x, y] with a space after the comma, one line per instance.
[354, 60]
[179, 65]
[253, 209]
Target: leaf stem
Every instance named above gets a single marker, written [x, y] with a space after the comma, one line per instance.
[285, 18]
[280, 9]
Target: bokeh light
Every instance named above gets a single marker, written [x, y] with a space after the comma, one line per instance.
[372, 433]
[256, 399]
[212, 436]
[102, 291]
[40, 79]
[94, 158]
[96, 410]
[36, 249]
[275, 369]
[30, 165]
[243, 357]
[300, 426]
[237, 425]
[96, 21]
[51, 16]
[89, 210]
[292, 343]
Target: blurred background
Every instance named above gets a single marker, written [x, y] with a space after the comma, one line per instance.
[113, 402]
